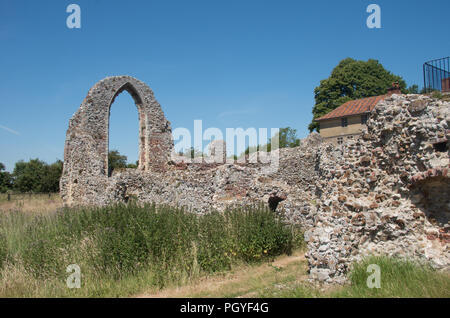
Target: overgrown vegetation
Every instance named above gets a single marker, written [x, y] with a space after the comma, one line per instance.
[123, 248]
[399, 278]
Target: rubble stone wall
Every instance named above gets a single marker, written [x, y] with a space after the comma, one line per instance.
[387, 192]
[85, 173]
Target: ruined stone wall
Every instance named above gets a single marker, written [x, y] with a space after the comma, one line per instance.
[387, 193]
[384, 193]
[85, 174]
[202, 187]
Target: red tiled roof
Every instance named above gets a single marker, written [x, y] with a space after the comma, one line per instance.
[354, 107]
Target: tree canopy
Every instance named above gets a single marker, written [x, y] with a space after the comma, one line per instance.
[118, 161]
[39, 177]
[352, 79]
[5, 179]
[36, 176]
[287, 138]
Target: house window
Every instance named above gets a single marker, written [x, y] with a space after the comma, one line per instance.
[364, 119]
[340, 140]
[344, 122]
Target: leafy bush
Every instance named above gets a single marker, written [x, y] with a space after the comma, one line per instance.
[260, 234]
[216, 246]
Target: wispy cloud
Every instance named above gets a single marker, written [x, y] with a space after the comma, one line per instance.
[12, 131]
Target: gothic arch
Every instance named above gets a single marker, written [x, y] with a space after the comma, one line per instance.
[138, 101]
[87, 138]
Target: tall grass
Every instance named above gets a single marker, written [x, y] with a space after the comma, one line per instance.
[399, 278]
[122, 248]
[3, 249]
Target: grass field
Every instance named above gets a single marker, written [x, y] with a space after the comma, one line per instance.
[30, 203]
[157, 251]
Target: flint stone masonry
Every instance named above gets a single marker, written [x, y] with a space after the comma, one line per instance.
[86, 148]
[387, 192]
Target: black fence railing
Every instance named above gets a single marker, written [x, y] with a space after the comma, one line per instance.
[436, 75]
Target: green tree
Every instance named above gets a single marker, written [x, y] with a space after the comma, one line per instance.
[116, 161]
[52, 176]
[133, 165]
[287, 139]
[351, 79]
[28, 175]
[5, 179]
[413, 89]
[37, 176]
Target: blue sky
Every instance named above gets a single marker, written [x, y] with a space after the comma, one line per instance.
[233, 63]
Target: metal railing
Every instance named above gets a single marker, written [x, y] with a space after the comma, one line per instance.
[436, 75]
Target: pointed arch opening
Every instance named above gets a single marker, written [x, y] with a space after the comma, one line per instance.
[126, 131]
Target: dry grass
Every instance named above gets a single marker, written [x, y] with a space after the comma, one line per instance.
[31, 203]
[243, 281]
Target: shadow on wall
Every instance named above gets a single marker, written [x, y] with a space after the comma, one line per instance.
[432, 196]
